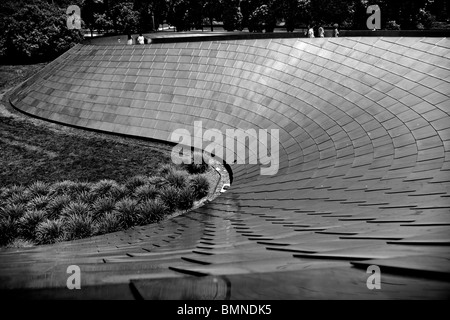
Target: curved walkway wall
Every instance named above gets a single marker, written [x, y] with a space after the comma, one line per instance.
[364, 133]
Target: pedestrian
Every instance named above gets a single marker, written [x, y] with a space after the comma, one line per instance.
[140, 39]
[335, 31]
[130, 40]
[321, 32]
[310, 32]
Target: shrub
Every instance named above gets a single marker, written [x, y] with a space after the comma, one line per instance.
[128, 211]
[4, 193]
[119, 192]
[20, 243]
[165, 169]
[76, 208]
[39, 188]
[196, 168]
[152, 211]
[29, 222]
[39, 203]
[8, 230]
[2, 197]
[46, 213]
[78, 226]
[425, 20]
[392, 25]
[19, 198]
[103, 187]
[62, 187]
[146, 192]
[135, 182]
[200, 186]
[56, 205]
[103, 205]
[49, 231]
[158, 182]
[86, 197]
[185, 198]
[17, 188]
[79, 187]
[69, 187]
[13, 211]
[108, 222]
[177, 179]
[8, 192]
[169, 195]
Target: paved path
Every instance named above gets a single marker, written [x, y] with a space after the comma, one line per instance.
[364, 129]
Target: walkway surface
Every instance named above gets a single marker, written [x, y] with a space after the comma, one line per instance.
[364, 177]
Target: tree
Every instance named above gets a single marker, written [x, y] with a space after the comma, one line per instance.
[248, 7]
[262, 19]
[152, 13]
[212, 10]
[245, 11]
[195, 14]
[145, 15]
[425, 19]
[103, 22]
[359, 19]
[439, 8]
[404, 13]
[327, 12]
[178, 14]
[125, 19]
[90, 11]
[232, 17]
[159, 10]
[36, 32]
[290, 12]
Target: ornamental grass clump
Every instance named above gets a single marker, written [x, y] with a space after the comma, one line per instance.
[29, 222]
[153, 210]
[78, 226]
[50, 231]
[109, 222]
[200, 186]
[128, 211]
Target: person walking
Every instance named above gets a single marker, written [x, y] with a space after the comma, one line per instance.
[130, 40]
[335, 31]
[321, 33]
[310, 32]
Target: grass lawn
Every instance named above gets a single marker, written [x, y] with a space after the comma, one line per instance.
[11, 75]
[30, 152]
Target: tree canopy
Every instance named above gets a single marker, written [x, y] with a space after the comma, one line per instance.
[36, 29]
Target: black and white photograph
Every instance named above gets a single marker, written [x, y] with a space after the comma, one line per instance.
[224, 154]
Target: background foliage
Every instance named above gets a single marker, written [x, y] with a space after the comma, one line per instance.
[35, 30]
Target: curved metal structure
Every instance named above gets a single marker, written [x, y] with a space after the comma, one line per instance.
[364, 149]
